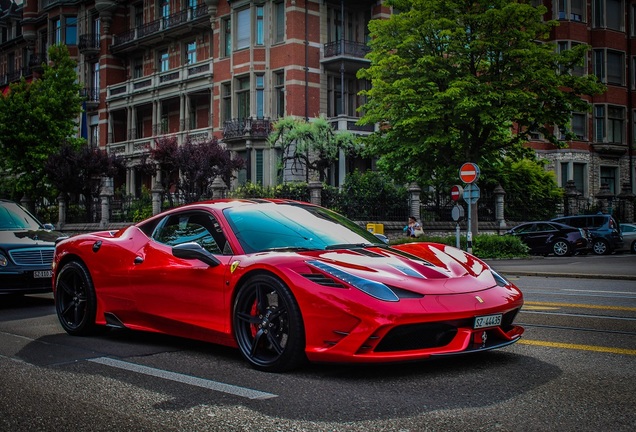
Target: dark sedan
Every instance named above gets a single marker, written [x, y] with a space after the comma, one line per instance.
[544, 238]
[26, 251]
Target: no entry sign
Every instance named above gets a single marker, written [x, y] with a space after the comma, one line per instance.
[469, 173]
[456, 192]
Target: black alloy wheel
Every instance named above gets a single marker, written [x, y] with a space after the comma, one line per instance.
[75, 300]
[268, 326]
[561, 248]
[633, 248]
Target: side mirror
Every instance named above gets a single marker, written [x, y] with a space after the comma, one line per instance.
[49, 226]
[195, 251]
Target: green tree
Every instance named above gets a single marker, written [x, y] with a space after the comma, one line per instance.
[37, 118]
[455, 81]
[314, 145]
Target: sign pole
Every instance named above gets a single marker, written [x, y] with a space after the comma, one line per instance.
[469, 174]
[469, 233]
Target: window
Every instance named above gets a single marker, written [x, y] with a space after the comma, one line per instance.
[162, 59]
[259, 166]
[279, 21]
[579, 125]
[608, 14]
[227, 37]
[571, 10]
[165, 8]
[199, 227]
[260, 96]
[226, 102]
[347, 101]
[578, 70]
[260, 26]
[243, 97]
[279, 94]
[608, 177]
[138, 67]
[573, 171]
[191, 52]
[70, 33]
[609, 66]
[56, 36]
[609, 124]
[95, 77]
[138, 15]
[243, 29]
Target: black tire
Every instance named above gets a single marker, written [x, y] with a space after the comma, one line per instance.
[268, 326]
[600, 247]
[633, 248]
[561, 248]
[75, 300]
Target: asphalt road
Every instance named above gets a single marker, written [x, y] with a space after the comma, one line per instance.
[572, 371]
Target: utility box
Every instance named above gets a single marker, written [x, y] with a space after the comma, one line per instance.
[375, 228]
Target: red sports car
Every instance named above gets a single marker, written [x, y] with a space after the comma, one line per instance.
[285, 282]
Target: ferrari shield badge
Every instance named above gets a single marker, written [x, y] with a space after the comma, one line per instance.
[234, 265]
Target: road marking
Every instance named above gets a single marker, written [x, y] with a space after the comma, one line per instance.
[582, 306]
[185, 379]
[578, 347]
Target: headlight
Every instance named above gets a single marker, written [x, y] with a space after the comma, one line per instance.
[372, 288]
[501, 281]
[3, 260]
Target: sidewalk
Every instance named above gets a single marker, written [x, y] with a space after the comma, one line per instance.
[618, 266]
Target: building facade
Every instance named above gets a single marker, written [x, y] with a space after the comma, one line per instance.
[197, 69]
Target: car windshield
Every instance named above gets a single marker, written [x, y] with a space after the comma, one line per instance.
[295, 226]
[14, 217]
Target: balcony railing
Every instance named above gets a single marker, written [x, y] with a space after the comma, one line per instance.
[172, 21]
[88, 44]
[247, 128]
[345, 48]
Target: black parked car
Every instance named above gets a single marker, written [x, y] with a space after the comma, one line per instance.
[606, 236]
[544, 238]
[26, 251]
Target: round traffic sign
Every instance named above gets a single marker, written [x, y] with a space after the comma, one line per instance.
[469, 172]
[456, 192]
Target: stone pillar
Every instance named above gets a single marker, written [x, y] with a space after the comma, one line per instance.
[414, 200]
[105, 196]
[500, 194]
[626, 203]
[61, 210]
[315, 192]
[156, 199]
[28, 203]
[605, 198]
[571, 199]
[219, 188]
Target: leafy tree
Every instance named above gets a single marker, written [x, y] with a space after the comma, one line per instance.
[314, 145]
[37, 118]
[80, 171]
[198, 163]
[456, 81]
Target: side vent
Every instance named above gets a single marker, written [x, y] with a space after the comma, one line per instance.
[321, 279]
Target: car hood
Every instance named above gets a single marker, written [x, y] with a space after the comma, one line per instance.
[29, 238]
[427, 268]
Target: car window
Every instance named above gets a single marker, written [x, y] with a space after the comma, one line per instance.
[597, 221]
[525, 229]
[544, 227]
[13, 217]
[199, 227]
[578, 222]
[628, 228]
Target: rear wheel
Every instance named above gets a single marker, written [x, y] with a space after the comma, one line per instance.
[75, 300]
[633, 248]
[561, 248]
[600, 247]
[268, 326]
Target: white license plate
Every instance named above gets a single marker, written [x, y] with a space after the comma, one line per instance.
[38, 274]
[487, 321]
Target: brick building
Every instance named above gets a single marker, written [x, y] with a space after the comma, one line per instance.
[203, 68]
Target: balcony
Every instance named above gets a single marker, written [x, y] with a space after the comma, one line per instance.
[610, 149]
[36, 62]
[246, 128]
[155, 32]
[89, 45]
[91, 98]
[345, 53]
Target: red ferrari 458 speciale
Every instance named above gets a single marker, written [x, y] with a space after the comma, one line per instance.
[285, 282]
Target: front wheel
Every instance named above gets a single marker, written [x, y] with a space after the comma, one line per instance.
[268, 326]
[561, 248]
[600, 247]
[75, 300]
[633, 248]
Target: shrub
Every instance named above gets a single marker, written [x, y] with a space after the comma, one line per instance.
[485, 246]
